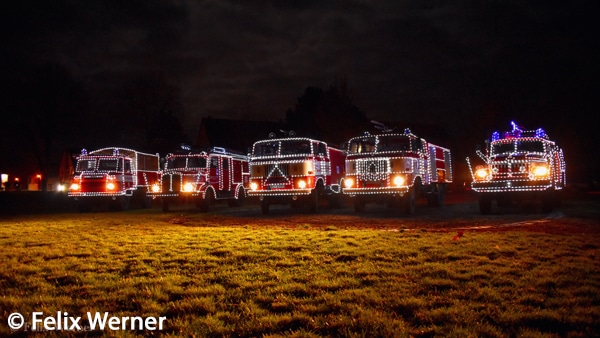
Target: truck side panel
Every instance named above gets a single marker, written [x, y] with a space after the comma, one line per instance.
[337, 160]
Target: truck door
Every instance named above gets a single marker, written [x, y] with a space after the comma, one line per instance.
[225, 173]
[214, 172]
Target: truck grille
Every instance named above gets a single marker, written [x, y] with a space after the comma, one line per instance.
[514, 170]
[171, 183]
[276, 170]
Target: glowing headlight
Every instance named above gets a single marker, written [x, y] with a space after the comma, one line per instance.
[74, 186]
[301, 184]
[398, 181]
[253, 186]
[155, 188]
[348, 183]
[60, 187]
[481, 173]
[188, 187]
[110, 186]
[540, 171]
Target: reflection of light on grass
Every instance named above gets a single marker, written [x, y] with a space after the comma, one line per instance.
[267, 279]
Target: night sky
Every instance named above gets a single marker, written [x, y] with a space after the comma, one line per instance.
[469, 67]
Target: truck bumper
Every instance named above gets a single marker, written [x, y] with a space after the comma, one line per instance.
[279, 192]
[510, 186]
[390, 191]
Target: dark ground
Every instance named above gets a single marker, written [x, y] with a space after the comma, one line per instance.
[579, 212]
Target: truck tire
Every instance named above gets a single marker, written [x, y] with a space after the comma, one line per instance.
[205, 203]
[239, 201]
[264, 207]
[165, 205]
[359, 204]
[485, 204]
[437, 197]
[409, 202]
[313, 198]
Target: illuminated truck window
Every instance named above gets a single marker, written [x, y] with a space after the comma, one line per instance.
[365, 145]
[518, 146]
[266, 148]
[109, 164]
[293, 147]
[186, 162]
[86, 165]
[397, 143]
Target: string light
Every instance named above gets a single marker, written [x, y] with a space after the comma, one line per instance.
[294, 166]
[113, 171]
[221, 173]
[390, 164]
[522, 160]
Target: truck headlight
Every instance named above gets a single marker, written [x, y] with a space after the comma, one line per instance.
[74, 186]
[188, 187]
[398, 181]
[348, 182]
[540, 171]
[253, 186]
[110, 186]
[155, 188]
[301, 184]
[481, 173]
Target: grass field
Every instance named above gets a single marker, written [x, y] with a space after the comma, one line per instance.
[250, 280]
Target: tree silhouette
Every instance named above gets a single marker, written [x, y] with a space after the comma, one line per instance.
[329, 115]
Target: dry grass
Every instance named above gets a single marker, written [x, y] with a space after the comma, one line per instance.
[211, 280]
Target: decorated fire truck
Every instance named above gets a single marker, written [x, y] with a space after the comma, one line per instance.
[395, 168]
[203, 177]
[114, 174]
[296, 171]
[519, 164]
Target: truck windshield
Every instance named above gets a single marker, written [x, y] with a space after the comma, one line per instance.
[517, 146]
[296, 147]
[530, 146]
[393, 143]
[112, 164]
[363, 145]
[86, 165]
[266, 148]
[186, 162]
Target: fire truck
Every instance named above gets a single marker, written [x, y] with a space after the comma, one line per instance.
[203, 177]
[296, 171]
[396, 168]
[113, 174]
[519, 164]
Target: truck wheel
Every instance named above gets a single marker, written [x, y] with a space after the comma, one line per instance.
[264, 207]
[239, 201]
[409, 202]
[206, 201]
[84, 206]
[313, 198]
[549, 201]
[485, 205]
[438, 196]
[359, 205]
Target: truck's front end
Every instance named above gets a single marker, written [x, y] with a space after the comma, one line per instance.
[519, 164]
[381, 168]
[286, 170]
[107, 175]
[184, 176]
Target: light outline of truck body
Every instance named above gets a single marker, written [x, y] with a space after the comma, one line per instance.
[380, 175]
[281, 178]
[196, 181]
[134, 173]
[497, 179]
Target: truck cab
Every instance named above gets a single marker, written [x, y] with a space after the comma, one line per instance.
[295, 170]
[519, 164]
[204, 177]
[396, 168]
[113, 174]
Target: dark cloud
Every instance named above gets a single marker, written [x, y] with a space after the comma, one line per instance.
[445, 62]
